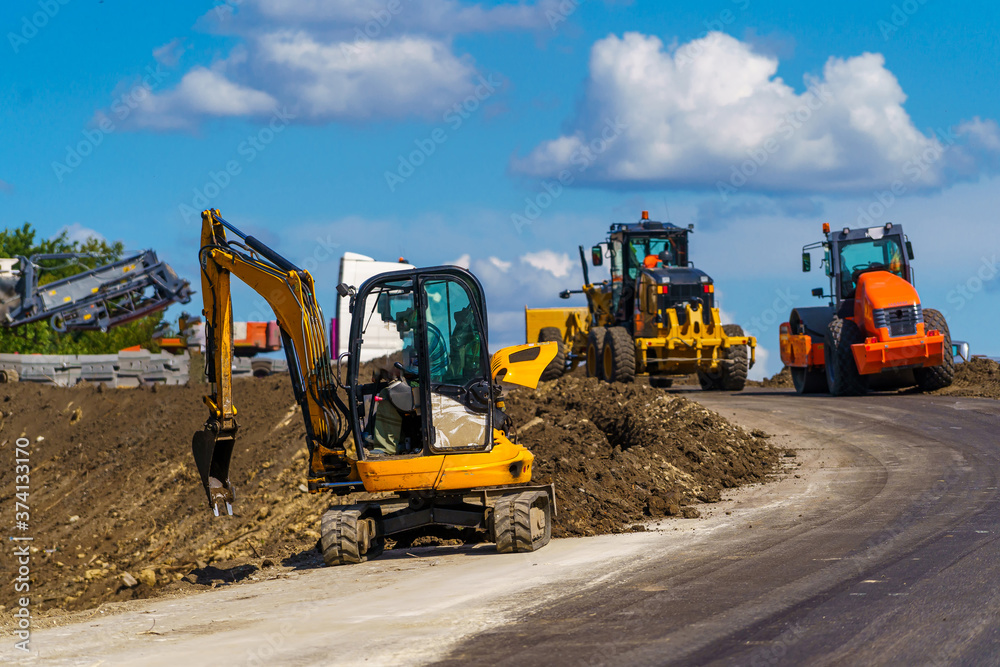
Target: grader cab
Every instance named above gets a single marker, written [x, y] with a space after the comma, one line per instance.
[656, 318]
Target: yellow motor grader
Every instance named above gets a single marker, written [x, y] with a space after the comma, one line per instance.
[425, 429]
[656, 317]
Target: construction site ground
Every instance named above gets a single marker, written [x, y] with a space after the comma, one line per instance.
[850, 504]
[118, 512]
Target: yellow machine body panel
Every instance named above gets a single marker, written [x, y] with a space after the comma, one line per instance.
[672, 348]
[522, 365]
[506, 463]
[570, 322]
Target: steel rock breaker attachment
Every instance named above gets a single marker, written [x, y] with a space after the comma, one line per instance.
[212, 452]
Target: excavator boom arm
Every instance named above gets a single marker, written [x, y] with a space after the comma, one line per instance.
[291, 294]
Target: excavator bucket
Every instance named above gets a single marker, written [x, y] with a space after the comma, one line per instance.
[212, 453]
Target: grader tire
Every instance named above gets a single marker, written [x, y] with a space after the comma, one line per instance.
[595, 352]
[618, 355]
[842, 375]
[937, 377]
[557, 366]
[710, 381]
[9, 375]
[737, 364]
[522, 522]
[351, 534]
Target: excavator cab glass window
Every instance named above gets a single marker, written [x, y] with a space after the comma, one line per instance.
[864, 255]
[433, 395]
[389, 384]
[457, 368]
[453, 337]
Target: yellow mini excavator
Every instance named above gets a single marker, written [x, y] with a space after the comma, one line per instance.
[423, 428]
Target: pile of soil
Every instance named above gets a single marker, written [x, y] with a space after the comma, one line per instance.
[117, 511]
[781, 380]
[977, 378]
[622, 453]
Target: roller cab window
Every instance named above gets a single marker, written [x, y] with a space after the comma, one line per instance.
[863, 256]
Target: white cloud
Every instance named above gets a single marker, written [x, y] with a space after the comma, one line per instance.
[333, 61]
[501, 264]
[762, 368]
[713, 112]
[429, 16]
[79, 233]
[558, 264]
[389, 78]
[201, 93]
[170, 53]
[463, 261]
[985, 132]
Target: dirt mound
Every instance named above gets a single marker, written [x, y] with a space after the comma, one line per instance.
[977, 378]
[621, 454]
[116, 500]
[780, 380]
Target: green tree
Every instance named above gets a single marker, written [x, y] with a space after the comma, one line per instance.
[40, 337]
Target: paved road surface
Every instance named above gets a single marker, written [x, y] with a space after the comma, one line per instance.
[882, 550]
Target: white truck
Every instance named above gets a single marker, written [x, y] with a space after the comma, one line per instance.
[354, 270]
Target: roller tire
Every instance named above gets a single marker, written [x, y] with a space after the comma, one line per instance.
[343, 534]
[595, 352]
[557, 367]
[937, 377]
[618, 356]
[808, 381]
[9, 375]
[522, 522]
[842, 375]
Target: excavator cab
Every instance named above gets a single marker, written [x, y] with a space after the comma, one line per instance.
[433, 397]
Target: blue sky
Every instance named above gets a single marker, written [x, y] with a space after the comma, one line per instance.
[756, 121]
